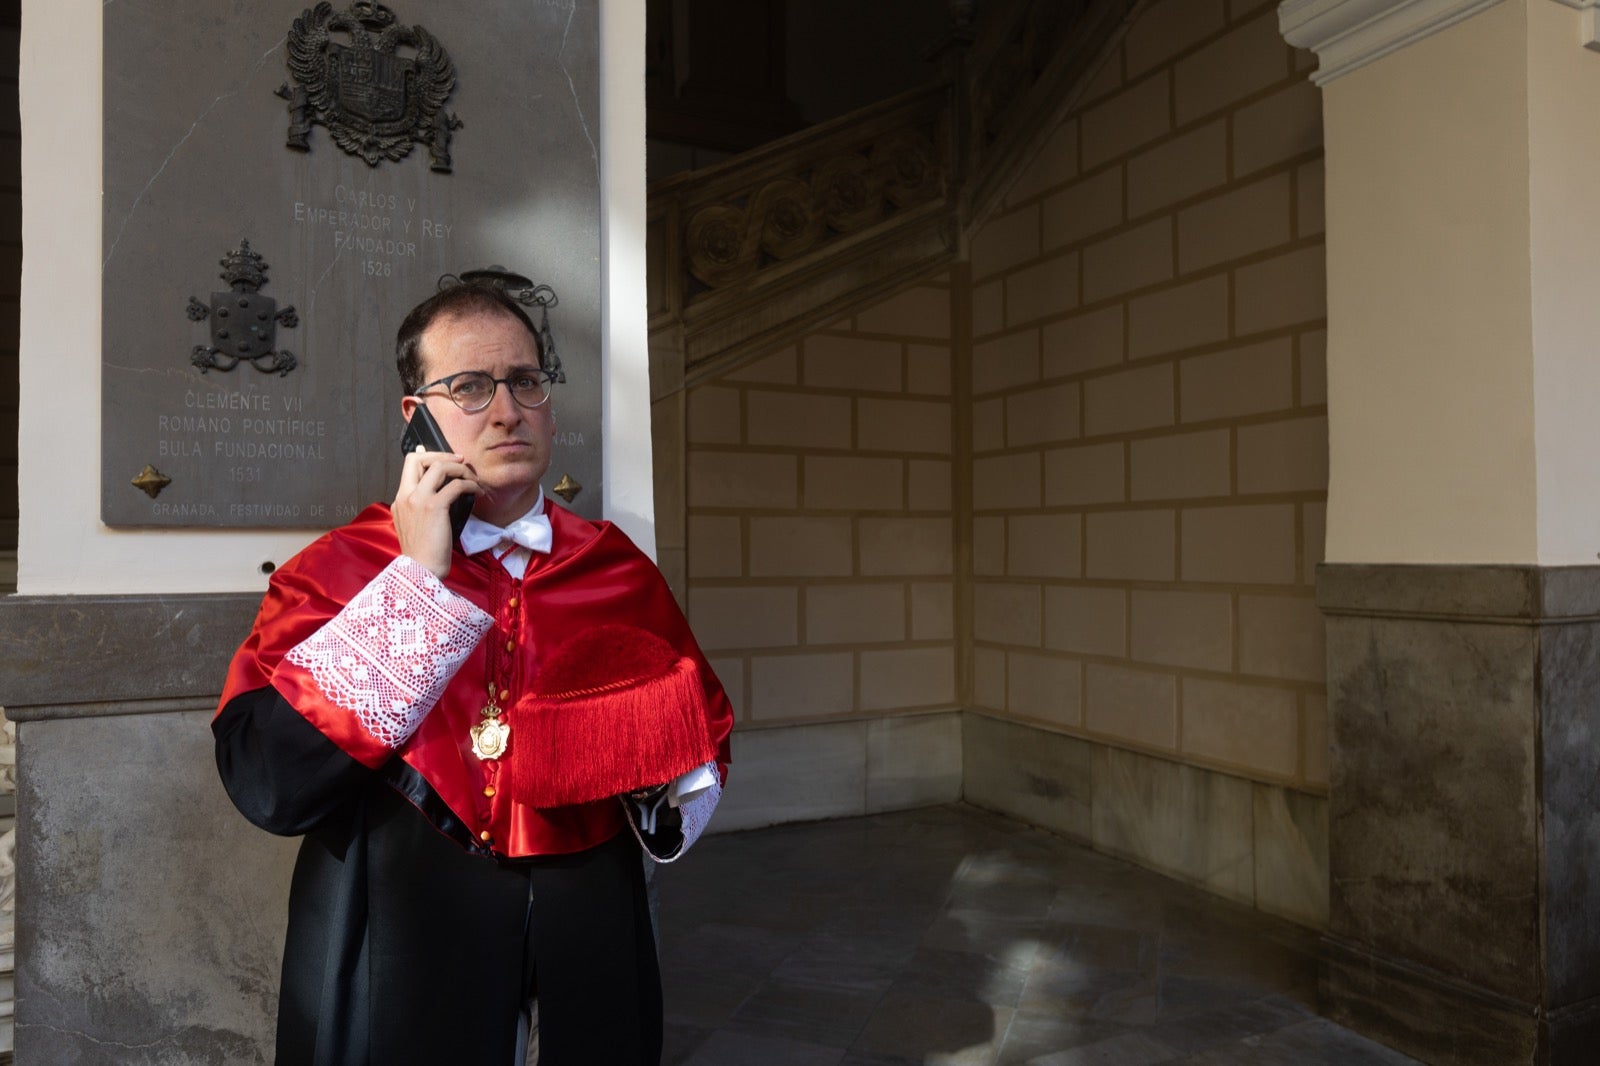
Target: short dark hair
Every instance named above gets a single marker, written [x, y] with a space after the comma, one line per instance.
[465, 298]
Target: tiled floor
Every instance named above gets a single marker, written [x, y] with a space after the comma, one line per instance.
[953, 936]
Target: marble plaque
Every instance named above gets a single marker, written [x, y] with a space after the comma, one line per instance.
[196, 161]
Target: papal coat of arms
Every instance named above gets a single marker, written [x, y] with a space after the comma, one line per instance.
[244, 323]
[349, 76]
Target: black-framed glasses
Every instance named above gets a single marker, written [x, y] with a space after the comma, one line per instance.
[473, 390]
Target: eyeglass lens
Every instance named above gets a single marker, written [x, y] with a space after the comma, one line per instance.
[473, 390]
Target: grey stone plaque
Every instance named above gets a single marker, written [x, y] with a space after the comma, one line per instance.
[195, 161]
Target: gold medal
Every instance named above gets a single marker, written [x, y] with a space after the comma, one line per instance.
[490, 735]
[489, 738]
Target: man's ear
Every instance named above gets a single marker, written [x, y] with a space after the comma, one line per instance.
[408, 404]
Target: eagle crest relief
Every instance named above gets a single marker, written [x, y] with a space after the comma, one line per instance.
[350, 76]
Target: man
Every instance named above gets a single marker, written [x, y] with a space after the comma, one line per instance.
[427, 905]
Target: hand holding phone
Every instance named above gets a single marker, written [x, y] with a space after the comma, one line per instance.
[424, 432]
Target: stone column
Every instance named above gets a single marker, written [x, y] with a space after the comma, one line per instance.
[1465, 809]
[1463, 525]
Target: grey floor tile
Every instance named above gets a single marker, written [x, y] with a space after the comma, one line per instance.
[1074, 990]
[987, 933]
[830, 1016]
[1032, 1034]
[994, 979]
[925, 1028]
[680, 1041]
[705, 996]
[747, 948]
[1204, 1030]
[1128, 1049]
[748, 1049]
[867, 962]
[1316, 1042]
[951, 936]
[1106, 947]
[1002, 897]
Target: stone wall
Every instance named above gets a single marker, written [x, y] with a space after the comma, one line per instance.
[1150, 461]
[149, 915]
[821, 564]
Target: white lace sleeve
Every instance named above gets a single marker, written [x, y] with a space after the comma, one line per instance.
[389, 654]
[694, 809]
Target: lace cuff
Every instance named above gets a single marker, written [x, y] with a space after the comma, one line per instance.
[693, 807]
[389, 654]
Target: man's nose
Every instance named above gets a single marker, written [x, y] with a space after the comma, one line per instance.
[503, 407]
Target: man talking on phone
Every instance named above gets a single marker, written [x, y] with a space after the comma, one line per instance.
[387, 706]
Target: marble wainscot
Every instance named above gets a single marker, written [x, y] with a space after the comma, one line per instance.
[1256, 843]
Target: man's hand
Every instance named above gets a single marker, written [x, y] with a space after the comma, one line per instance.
[429, 483]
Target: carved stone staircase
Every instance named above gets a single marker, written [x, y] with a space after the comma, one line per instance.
[751, 254]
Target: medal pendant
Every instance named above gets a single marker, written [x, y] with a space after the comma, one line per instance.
[489, 737]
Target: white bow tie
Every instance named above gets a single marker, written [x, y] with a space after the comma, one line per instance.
[531, 531]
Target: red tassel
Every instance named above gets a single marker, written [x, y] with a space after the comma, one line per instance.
[605, 739]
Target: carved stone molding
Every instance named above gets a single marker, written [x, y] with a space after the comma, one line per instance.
[789, 216]
[84, 656]
[747, 254]
[1348, 34]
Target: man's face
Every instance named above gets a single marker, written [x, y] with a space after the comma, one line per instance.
[506, 445]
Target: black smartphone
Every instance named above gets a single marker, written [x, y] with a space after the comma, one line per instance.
[423, 430]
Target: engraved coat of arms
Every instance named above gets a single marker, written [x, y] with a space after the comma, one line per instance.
[376, 102]
[244, 323]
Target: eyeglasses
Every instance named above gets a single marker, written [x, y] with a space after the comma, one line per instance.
[473, 390]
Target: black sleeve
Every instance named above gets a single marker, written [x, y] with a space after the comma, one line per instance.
[278, 768]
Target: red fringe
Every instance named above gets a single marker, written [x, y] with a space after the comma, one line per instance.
[566, 751]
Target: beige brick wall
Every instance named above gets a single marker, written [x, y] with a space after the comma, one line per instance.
[1149, 422]
[821, 538]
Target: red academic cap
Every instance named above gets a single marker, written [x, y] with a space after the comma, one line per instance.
[613, 709]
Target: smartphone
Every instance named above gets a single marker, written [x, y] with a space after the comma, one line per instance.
[423, 430]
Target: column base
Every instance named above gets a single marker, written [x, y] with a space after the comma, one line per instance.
[1426, 1014]
[1464, 799]
[1448, 1022]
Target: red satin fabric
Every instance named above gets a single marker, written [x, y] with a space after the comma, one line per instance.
[593, 576]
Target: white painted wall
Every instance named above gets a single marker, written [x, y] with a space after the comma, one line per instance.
[1462, 272]
[1430, 334]
[1563, 90]
[62, 547]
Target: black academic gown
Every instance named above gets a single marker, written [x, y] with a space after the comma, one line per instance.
[398, 950]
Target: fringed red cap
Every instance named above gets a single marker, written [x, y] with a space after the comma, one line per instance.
[613, 709]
